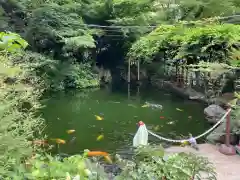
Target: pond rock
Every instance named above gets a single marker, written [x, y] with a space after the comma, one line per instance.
[214, 113]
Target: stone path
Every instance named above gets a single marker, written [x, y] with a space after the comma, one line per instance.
[227, 167]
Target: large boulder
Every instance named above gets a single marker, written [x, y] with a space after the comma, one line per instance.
[214, 111]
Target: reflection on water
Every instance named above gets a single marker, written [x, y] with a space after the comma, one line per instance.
[120, 112]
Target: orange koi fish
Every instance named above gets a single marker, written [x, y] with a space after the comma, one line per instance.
[97, 153]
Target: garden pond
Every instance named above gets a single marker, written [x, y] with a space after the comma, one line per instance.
[81, 111]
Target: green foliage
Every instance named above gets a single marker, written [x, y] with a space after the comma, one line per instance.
[146, 47]
[11, 42]
[58, 27]
[171, 11]
[3, 19]
[48, 168]
[60, 33]
[56, 74]
[133, 11]
[153, 163]
[218, 74]
[139, 15]
[61, 25]
[17, 107]
[215, 70]
[207, 42]
[196, 9]
[148, 163]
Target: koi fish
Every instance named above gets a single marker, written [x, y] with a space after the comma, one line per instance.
[72, 140]
[70, 131]
[99, 118]
[59, 141]
[179, 109]
[116, 102]
[153, 106]
[97, 153]
[161, 117]
[108, 159]
[131, 105]
[156, 128]
[100, 137]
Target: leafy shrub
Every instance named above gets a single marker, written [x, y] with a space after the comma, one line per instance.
[56, 74]
[148, 163]
[18, 104]
[60, 30]
[201, 42]
[153, 163]
[20, 90]
[11, 42]
[47, 168]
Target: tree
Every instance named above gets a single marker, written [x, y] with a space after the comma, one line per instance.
[202, 42]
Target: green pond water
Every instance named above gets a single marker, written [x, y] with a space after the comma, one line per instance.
[76, 110]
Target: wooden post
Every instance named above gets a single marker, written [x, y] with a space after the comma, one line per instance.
[129, 71]
[129, 77]
[182, 76]
[129, 91]
[176, 75]
[186, 76]
[205, 83]
[227, 138]
[227, 148]
[138, 69]
[138, 93]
